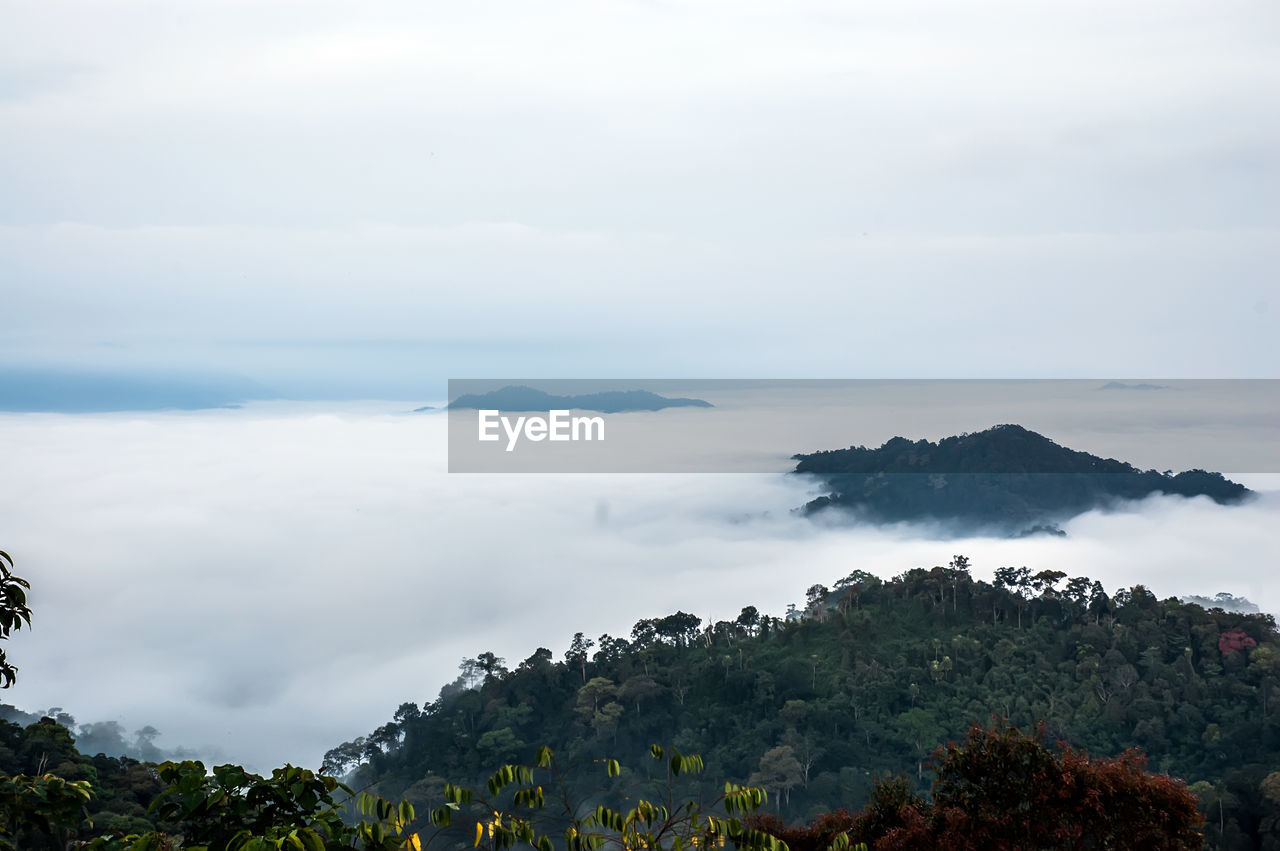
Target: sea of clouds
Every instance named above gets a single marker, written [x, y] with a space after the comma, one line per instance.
[261, 584]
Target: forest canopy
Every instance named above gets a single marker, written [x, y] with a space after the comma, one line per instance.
[867, 679]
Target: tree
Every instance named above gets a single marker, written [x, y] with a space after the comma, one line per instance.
[33, 808]
[1235, 641]
[1215, 800]
[1077, 592]
[643, 633]
[681, 629]
[815, 602]
[470, 673]
[919, 729]
[229, 807]
[780, 771]
[346, 756]
[102, 737]
[540, 660]
[407, 713]
[493, 666]
[748, 620]
[499, 746]
[1003, 789]
[638, 689]
[806, 750]
[1043, 582]
[144, 743]
[576, 655]
[1270, 789]
[958, 569]
[596, 706]
[856, 584]
[13, 613]
[611, 649]
[1016, 580]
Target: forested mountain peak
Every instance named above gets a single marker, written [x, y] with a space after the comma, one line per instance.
[866, 679]
[1006, 448]
[1006, 478]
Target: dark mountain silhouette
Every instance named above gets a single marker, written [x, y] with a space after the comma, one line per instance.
[522, 398]
[1006, 479]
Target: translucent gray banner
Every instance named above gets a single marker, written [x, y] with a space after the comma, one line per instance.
[753, 426]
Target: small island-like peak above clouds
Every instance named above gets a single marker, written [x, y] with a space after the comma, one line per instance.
[1005, 480]
[523, 398]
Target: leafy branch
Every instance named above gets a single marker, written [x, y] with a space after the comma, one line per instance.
[14, 612]
[679, 824]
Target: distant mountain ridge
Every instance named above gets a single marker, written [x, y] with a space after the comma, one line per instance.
[89, 390]
[1120, 385]
[523, 398]
[1007, 478]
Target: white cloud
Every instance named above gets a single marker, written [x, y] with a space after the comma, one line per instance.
[274, 581]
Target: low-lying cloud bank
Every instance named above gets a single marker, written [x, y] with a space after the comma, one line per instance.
[271, 581]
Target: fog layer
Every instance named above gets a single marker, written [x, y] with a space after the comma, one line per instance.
[272, 581]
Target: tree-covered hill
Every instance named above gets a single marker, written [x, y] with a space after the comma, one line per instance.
[1007, 479]
[522, 398]
[109, 738]
[868, 679]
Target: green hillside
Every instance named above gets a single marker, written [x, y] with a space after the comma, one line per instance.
[867, 679]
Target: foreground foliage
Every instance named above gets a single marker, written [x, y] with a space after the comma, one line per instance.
[230, 809]
[35, 807]
[233, 809]
[14, 612]
[515, 808]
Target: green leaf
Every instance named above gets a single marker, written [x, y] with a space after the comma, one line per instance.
[311, 840]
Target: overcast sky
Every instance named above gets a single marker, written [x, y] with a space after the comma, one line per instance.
[396, 193]
[361, 200]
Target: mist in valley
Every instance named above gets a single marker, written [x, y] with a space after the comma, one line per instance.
[261, 584]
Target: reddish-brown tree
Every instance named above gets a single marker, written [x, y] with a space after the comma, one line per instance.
[1234, 640]
[1002, 790]
[817, 836]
